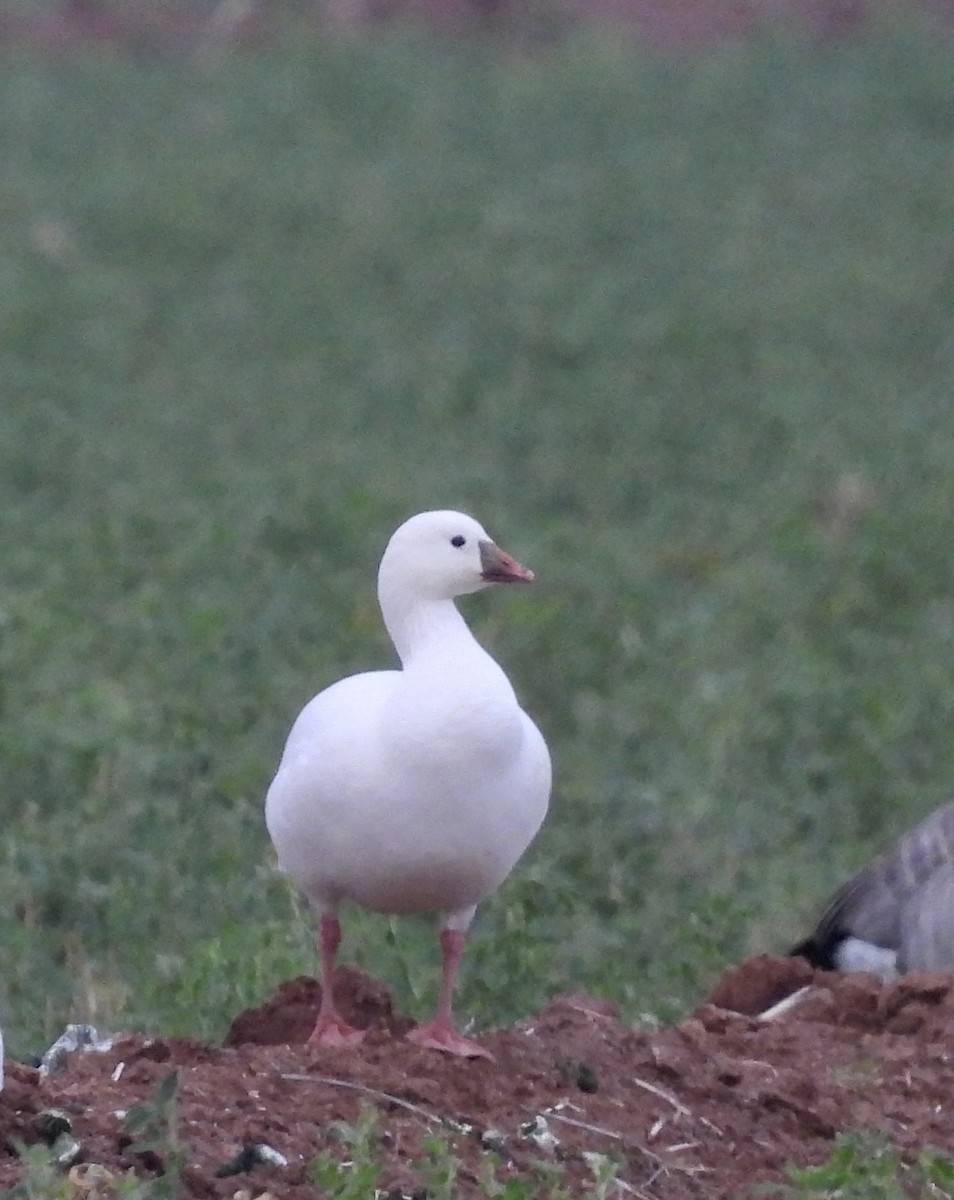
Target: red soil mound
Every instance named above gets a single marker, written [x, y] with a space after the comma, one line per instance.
[703, 1109]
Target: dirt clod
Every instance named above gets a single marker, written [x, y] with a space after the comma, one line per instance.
[706, 1108]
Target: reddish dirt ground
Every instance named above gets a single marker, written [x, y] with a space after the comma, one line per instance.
[182, 27]
[707, 1108]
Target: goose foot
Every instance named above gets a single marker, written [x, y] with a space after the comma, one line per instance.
[332, 1030]
[435, 1035]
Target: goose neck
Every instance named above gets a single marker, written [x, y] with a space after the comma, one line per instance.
[421, 626]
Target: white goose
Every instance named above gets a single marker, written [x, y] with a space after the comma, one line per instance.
[413, 790]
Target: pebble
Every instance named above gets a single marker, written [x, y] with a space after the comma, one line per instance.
[73, 1037]
[249, 1156]
[50, 1124]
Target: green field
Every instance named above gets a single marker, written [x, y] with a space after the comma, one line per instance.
[679, 333]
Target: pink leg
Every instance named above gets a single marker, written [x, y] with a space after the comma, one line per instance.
[439, 1033]
[331, 1029]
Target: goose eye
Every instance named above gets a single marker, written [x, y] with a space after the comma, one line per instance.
[458, 540]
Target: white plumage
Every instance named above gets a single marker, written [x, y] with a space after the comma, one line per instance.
[418, 789]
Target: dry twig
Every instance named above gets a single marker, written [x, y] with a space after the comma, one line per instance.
[368, 1091]
[663, 1095]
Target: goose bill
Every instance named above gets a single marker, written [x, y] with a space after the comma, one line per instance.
[499, 567]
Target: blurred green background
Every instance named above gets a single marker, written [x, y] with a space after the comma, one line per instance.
[677, 328]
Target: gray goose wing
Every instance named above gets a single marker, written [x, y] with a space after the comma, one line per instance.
[927, 925]
[901, 901]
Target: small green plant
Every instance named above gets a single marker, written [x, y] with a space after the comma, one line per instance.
[864, 1165]
[438, 1167]
[605, 1174]
[154, 1124]
[937, 1171]
[545, 1181]
[44, 1178]
[355, 1177]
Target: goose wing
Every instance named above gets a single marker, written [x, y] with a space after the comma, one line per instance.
[888, 900]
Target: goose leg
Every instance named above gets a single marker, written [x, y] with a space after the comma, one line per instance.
[331, 1029]
[439, 1032]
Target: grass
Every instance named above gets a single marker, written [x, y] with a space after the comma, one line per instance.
[356, 1170]
[677, 332]
[864, 1165]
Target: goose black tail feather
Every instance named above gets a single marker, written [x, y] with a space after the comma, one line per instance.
[819, 953]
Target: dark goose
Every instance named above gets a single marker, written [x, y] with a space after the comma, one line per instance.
[897, 913]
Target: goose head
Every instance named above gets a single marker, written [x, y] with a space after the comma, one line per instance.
[440, 555]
